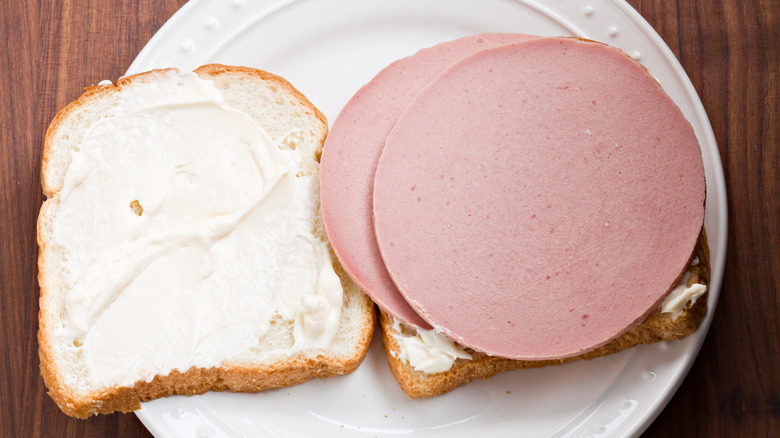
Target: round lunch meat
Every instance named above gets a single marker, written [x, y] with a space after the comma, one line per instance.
[538, 199]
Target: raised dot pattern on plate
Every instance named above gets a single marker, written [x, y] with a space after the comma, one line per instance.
[188, 46]
[587, 10]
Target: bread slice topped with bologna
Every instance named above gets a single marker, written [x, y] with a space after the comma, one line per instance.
[520, 202]
[181, 245]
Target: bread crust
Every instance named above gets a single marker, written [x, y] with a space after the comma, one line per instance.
[656, 327]
[236, 378]
[239, 377]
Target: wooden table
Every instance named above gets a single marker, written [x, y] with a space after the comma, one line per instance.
[52, 49]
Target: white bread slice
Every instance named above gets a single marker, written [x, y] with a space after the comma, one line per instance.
[656, 327]
[293, 123]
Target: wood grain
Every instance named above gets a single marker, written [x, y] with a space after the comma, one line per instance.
[730, 51]
[728, 48]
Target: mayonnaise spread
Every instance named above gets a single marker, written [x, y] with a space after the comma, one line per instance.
[426, 350]
[431, 352]
[677, 300]
[186, 235]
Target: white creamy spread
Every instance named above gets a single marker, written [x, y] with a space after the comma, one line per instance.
[427, 350]
[678, 298]
[186, 234]
[431, 352]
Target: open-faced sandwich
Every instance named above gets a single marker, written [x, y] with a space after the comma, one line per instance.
[181, 245]
[511, 201]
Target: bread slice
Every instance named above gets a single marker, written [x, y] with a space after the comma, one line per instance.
[294, 125]
[656, 327]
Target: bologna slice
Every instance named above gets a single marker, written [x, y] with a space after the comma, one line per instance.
[539, 199]
[351, 152]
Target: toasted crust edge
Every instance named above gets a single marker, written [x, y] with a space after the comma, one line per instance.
[656, 327]
[238, 377]
[195, 381]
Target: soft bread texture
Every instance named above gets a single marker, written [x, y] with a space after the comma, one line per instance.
[293, 123]
[656, 327]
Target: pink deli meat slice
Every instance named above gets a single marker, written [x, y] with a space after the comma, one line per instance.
[351, 152]
[539, 199]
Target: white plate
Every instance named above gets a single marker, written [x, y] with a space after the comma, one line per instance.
[328, 49]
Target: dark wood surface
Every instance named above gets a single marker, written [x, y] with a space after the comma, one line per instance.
[53, 48]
